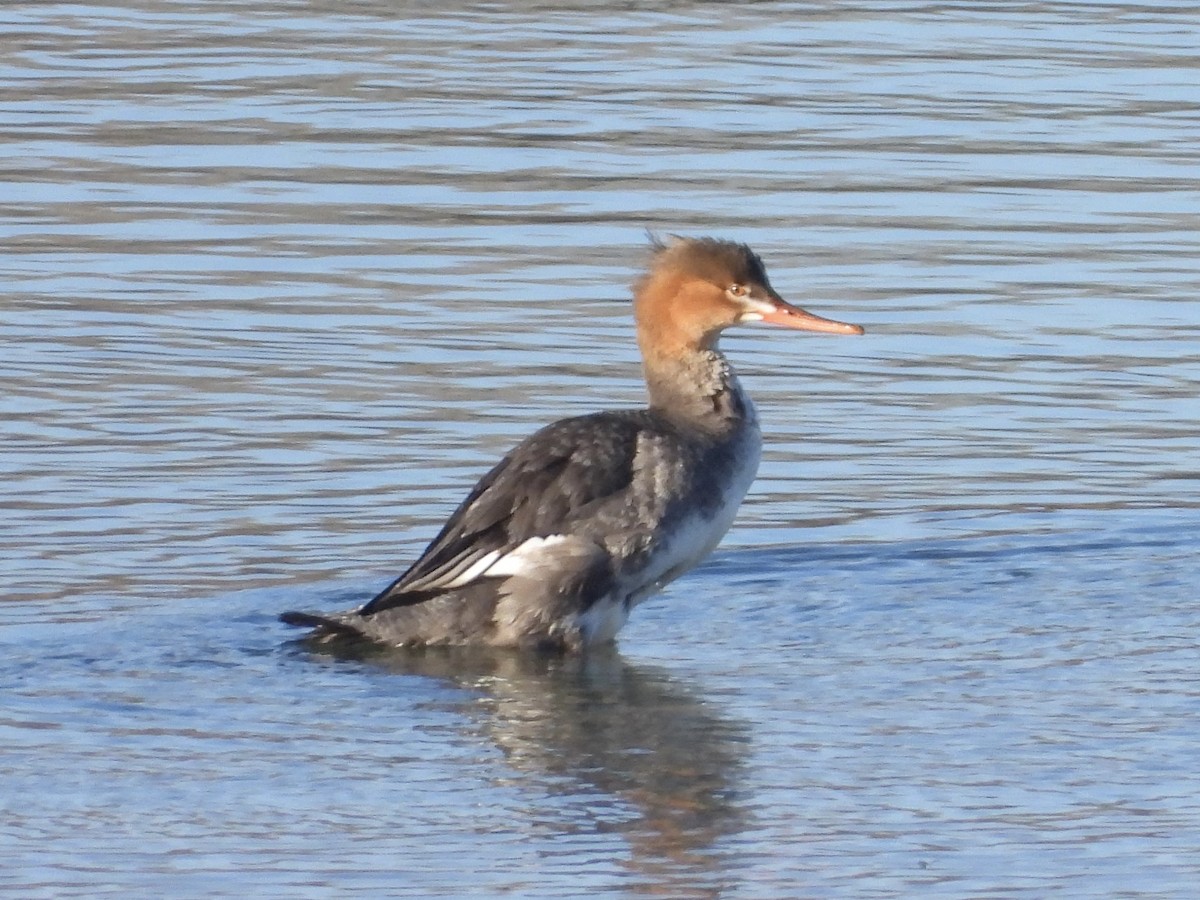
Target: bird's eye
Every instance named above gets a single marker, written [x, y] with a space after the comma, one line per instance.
[739, 290]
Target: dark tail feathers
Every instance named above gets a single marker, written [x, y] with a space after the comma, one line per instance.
[322, 626]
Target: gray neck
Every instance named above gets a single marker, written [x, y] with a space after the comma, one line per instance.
[702, 392]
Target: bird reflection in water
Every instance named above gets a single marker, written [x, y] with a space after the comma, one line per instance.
[664, 761]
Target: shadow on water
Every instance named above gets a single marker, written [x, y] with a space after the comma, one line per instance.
[620, 748]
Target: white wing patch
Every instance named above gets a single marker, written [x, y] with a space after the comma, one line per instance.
[475, 570]
[524, 558]
[520, 560]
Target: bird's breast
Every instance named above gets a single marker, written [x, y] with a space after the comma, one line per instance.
[701, 516]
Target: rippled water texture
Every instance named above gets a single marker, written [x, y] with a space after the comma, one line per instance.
[280, 280]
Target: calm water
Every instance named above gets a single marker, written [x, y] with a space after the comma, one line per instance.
[281, 279]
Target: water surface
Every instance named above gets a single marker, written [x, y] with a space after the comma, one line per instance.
[281, 280]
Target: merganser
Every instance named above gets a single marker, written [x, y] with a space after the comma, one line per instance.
[589, 516]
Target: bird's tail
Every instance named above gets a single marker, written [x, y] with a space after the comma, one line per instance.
[323, 626]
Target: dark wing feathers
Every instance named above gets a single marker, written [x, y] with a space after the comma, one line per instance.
[548, 482]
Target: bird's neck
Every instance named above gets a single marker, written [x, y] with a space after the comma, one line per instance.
[698, 389]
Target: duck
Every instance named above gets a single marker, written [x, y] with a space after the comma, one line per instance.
[588, 517]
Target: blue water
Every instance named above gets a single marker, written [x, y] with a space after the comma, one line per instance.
[957, 717]
[280, 281]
